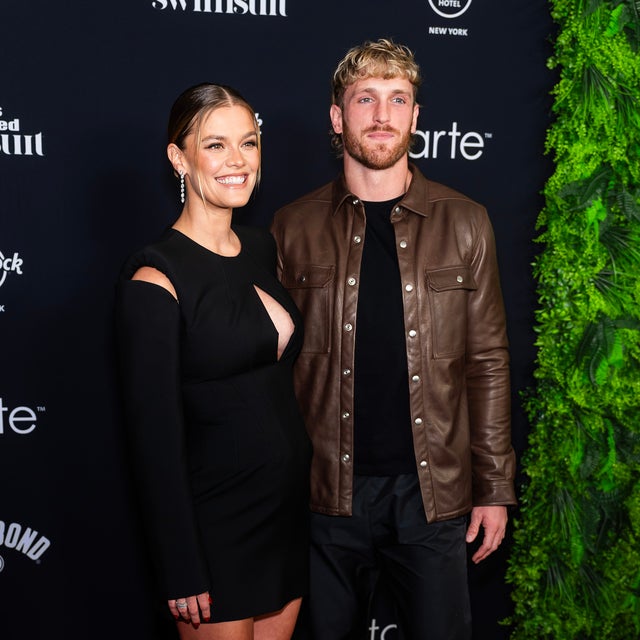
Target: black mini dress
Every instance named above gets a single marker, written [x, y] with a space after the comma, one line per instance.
[219, 449]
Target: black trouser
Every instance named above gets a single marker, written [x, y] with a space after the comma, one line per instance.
[423, 566]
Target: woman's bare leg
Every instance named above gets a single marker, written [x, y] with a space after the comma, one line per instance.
[278, 625]
[235, 630]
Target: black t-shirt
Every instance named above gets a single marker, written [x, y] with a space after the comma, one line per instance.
[383, 442]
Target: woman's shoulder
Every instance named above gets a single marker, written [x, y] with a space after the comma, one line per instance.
[159, 255]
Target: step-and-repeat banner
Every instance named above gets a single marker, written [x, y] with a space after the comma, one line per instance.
[85, 90]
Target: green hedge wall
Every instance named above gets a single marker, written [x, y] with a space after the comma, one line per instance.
[575, 566]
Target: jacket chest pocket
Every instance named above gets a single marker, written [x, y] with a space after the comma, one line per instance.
[310, 287]
[448, 290]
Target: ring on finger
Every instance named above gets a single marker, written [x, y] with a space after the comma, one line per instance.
[181, 605]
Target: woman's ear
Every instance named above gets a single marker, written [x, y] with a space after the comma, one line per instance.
[176, 158]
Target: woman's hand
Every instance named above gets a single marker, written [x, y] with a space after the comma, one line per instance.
[192, 609]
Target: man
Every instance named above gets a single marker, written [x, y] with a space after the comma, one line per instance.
[403, 378]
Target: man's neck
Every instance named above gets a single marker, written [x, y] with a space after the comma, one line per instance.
[377, 185]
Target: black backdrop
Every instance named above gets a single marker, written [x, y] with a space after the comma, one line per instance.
[85, 89]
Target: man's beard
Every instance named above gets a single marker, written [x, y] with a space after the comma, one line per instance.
[376, 156]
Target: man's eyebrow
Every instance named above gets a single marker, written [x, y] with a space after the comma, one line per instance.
[374, 90]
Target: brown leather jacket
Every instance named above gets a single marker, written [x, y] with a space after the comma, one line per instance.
[455, 338]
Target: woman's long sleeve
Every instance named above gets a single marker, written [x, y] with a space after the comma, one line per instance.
[148, 324]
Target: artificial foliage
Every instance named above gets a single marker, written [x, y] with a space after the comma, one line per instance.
[575, 565]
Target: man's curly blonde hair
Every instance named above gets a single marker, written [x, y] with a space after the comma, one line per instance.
[381, 59]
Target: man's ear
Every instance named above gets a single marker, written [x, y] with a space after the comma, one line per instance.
[176, 158]
[335, 114]
[416, 113]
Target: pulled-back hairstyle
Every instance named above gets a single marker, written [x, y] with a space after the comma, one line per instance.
[381, 59]
[194, 104]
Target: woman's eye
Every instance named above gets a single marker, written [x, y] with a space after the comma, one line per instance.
[251, 144]
[215, 145]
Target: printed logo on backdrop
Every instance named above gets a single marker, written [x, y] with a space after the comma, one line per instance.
[20, 421]
[22, 539]
[449, 9]
[15, 142]
[10, 266]
[453, 144]
[384, 631]
[232, 7]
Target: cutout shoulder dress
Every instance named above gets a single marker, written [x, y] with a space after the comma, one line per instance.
[219, 449]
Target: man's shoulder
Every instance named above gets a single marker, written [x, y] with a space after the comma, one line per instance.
[436, 191]
[439, 191]
[430, 197]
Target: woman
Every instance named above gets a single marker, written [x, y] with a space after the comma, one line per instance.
[207, 339]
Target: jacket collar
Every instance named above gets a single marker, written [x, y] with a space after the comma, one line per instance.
[416, 199]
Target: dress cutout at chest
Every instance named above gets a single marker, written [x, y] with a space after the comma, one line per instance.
[218, 433]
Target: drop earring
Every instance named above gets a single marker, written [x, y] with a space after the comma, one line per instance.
[182, 187]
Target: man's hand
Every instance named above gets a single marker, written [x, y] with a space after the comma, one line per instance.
[494, 522]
